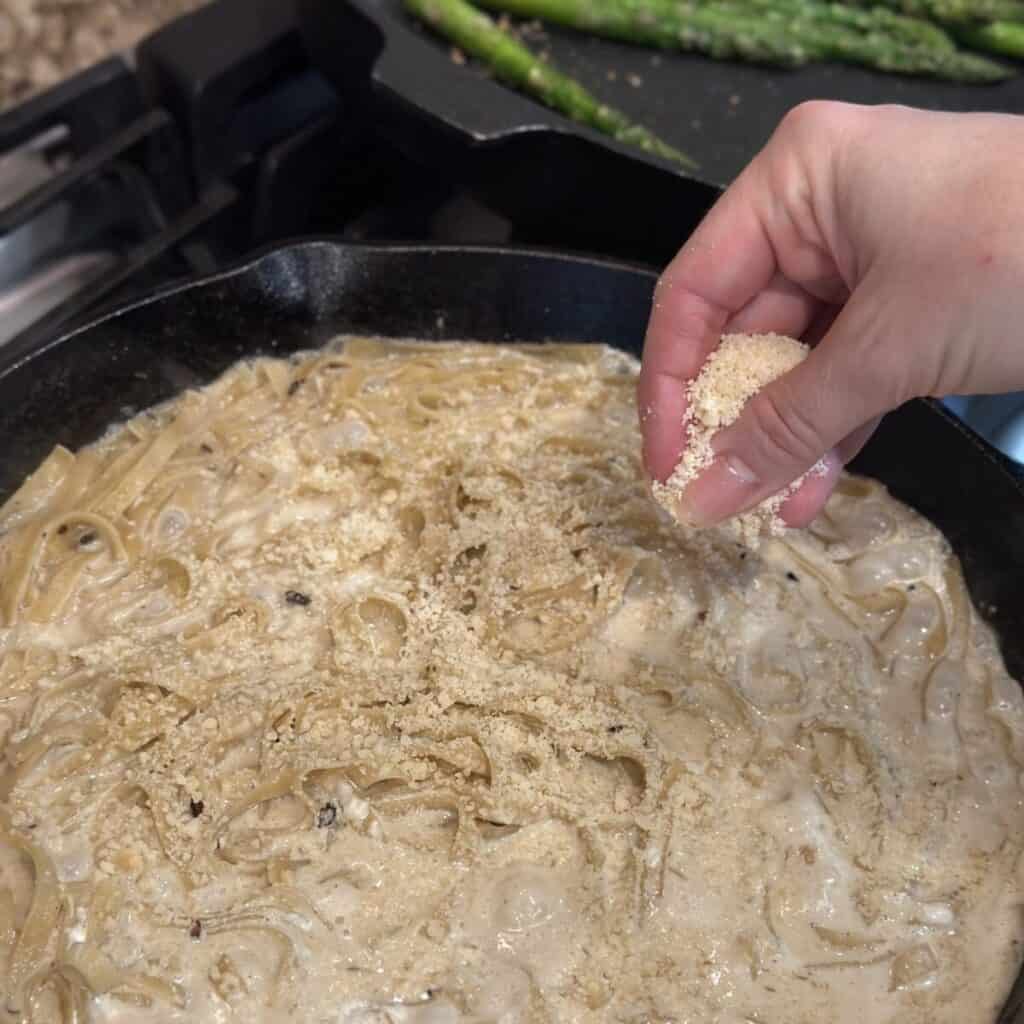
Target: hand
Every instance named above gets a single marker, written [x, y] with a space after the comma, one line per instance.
[896, 237]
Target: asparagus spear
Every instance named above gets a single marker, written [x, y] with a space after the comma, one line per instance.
[899, 27]
[955, 12]
[788, 33]
[473, 31]
[995, 26]
[1005, 37]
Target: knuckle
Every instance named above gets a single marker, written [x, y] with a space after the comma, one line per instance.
[811, 115]
[819, 120]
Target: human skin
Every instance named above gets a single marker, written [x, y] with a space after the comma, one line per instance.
[891, 237]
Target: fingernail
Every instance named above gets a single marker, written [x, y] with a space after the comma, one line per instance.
[831, 463]
[724, 488]
[739, 469]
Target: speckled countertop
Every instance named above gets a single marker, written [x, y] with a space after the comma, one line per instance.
[44, 41]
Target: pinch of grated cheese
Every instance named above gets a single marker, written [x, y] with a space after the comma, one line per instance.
[736, 370]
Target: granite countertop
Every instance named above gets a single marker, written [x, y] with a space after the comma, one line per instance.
[45, 41]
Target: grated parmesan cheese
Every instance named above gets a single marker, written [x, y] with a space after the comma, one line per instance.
[740, 367]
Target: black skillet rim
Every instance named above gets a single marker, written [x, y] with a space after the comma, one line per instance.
[23, 354]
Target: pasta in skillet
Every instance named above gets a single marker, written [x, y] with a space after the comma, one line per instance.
[371, 686]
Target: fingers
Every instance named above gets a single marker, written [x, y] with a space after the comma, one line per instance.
[726, 263]
[715, 500]
[802, 507]
[805, 504]
[827, 406]
[758, 261]
[781, 308]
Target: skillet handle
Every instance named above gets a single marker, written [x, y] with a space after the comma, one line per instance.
[544, 173]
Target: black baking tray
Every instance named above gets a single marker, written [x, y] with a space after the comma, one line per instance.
[720, 112]
[297, 297]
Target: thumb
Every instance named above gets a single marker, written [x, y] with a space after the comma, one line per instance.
[820, 410]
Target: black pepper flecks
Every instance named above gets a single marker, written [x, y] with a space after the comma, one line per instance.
[792, 577]
[297, 597]
[294, 386]
[196, 807]
[196, 930]
[87, 538]
[326, 816]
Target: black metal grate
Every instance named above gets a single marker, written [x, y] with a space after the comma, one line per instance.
[108, 181]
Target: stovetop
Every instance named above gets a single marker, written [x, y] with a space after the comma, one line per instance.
[218, 137]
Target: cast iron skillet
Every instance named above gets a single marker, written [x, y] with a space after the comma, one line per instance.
[300, 296]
